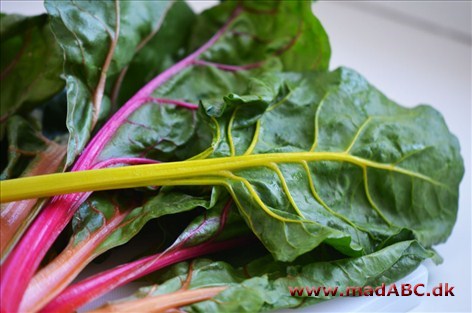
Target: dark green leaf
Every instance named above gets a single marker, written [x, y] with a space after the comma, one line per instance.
[165, 203]
[153, 133]
[30, 64]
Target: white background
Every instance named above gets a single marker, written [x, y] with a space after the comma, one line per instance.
[415, 52]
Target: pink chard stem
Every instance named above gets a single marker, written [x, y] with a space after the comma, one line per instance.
[95, 286]
[19, 267]
[53, 278]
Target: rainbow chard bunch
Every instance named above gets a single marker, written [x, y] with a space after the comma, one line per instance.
[214, 157]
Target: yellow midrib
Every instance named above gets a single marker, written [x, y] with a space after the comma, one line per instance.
[171, 173]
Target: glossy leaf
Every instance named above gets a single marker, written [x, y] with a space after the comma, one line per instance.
[96, 212]
[357, 170]
[30, 64]
[215, 73]
[154, 131]
[165, 203]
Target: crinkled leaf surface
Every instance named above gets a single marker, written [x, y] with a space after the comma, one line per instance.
[263, 284]
[352, 168]
[335, 137]
[99, 39]
[252, 43]
[102, 207]
[30, 64]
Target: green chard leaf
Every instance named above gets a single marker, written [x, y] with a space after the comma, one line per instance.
[166, 202]
[263, 284]
[251, 44]
[358, 171]
[101, 209]
[99, 42]
[30, 64]
[341, 185]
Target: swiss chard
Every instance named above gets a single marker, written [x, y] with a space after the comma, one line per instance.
[289, 187]
[280, 181]
[321, 167]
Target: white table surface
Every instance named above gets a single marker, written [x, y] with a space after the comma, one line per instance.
[415, 52]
